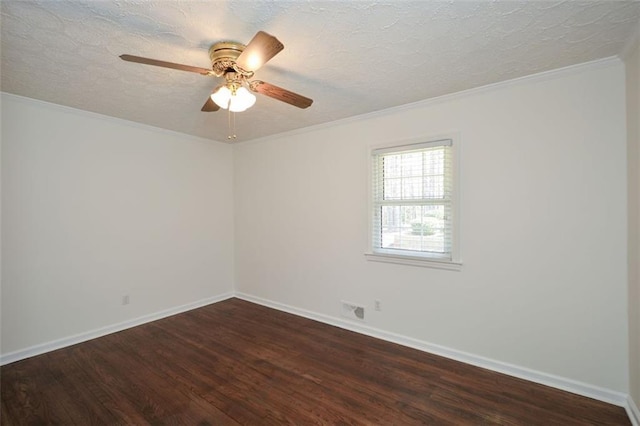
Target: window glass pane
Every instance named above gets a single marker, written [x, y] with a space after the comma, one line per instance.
[419, 228]
[412, 164]
[392, 189]
[390, 224]
[413, 201]
[432, 228]
[411, 188]
[434, 161]
[434, 186]
[414, 175]
[392, 166]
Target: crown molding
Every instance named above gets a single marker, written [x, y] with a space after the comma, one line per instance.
[108, 118]
[631, 44]
[541, 76]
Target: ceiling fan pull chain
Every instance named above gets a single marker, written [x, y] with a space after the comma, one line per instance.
[231, 123]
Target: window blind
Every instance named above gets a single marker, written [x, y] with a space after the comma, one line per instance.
[412, 200]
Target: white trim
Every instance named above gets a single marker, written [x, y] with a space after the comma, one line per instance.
[121, 121]
[562, 383]
[405, 147]
[538, 77]
[103, 331]
[541, 76]
[630, 44]
[451, 139]
[632, 411]
[414, 261]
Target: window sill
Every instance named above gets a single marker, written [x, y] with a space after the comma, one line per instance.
[414, 261]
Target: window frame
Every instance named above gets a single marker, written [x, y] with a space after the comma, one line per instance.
[413, 258]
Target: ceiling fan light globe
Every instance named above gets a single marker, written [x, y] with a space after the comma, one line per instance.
[221, 96]
[242, 100]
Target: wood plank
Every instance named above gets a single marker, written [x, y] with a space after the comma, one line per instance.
[235, 362]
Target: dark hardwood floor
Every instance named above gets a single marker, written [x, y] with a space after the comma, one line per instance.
[235, 362]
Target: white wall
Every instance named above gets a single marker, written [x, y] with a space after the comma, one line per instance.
[633, 165]
[544, 282]
[94, 208]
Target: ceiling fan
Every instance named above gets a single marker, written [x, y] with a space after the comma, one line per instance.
[237, 63]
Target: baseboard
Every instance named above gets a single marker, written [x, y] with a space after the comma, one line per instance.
[562, 383]
[632, 411]
[103, 331]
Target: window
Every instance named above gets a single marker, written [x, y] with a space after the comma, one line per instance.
[414, 204]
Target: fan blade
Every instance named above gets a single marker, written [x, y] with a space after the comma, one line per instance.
[280, 94]
[210, 106]
[147, 61]
[260, 49]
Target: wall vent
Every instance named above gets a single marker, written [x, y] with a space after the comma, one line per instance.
[352, 311]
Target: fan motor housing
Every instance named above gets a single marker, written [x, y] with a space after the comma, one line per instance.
[223, 56]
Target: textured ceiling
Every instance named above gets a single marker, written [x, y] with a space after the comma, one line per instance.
[351, 57]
